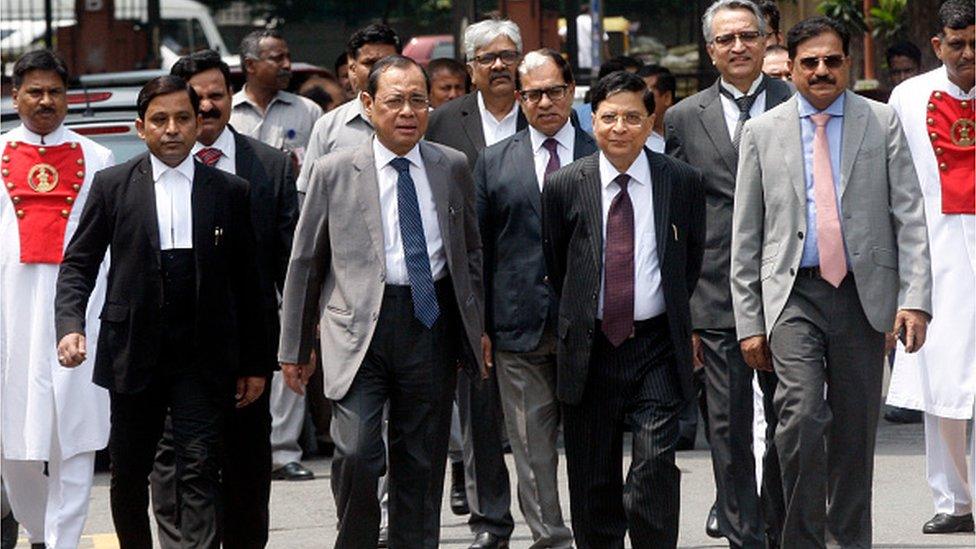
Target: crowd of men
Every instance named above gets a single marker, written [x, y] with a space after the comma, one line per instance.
[455, 259]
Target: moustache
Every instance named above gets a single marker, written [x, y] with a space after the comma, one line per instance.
[284, 74]
[822, 79]
[212, 113]
[45, 110]
[498, 76]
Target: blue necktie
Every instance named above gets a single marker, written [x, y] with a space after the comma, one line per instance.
[425, 306]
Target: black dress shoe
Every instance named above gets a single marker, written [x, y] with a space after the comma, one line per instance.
[459, 498]
[894, 414]
[487, 540]
[292, 471]
[384, 538]
[9, 529]
[947, 524]
[685, 443]
[711, 524]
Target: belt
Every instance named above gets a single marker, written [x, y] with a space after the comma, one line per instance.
[644, 328]
[809, 272]
[403, 291]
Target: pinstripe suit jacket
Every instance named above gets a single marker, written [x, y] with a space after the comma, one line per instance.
[572, 229]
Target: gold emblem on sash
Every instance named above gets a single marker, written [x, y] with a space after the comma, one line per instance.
[963, 133]
[43, 178]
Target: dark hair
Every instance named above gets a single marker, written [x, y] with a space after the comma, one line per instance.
[904, 49]
[448, 64]
[39, 60]
[340, 61]
[391, 61]
[376, 33]
[251, 43]
[770, 10]
[620, 81]
[812, 27]
[564, 67]
[199, 61]
[321, 97]
[628, 62]
[165, 85]
[609, 67]
[955, 15]
[665, 81]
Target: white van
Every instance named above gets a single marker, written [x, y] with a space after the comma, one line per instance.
[185, 26]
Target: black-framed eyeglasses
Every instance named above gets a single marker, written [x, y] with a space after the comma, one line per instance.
[396, 102]
[746, 37]
[554, 93]
[832, 61]
[508, 57]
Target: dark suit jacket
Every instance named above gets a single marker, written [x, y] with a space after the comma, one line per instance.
[274, 213]
[457, 124]
[696, 132]
[518, 296]
[572, 229]
[120, 215]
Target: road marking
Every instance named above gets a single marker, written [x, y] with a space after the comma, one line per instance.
[104, 541]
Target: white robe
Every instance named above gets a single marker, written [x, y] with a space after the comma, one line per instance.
[39, 398]
[940, 379]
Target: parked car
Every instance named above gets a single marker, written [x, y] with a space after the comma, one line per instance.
[434, 46]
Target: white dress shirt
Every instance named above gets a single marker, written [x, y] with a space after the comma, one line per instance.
[655, 142]
[386, 177]
[228, 151]
[495, 130]
[648, 296]
[566, 148]
[731, 110]
[174, 209]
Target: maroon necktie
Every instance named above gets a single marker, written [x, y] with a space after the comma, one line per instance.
[550, 145]
[618, 282]
[209, 155]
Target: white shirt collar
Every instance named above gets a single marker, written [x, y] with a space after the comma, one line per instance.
[384, 155]
[638, 171]
[242, 97]
[52, 138]
[735, 91]
[486, 114]
[953, 89]
[565, 137]
[185, 168]
[224, 143]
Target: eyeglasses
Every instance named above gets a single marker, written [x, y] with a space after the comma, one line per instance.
[629, 118]
[746, 37]
[813, 63]
[488, 59]
[396, 103]
[555, 93]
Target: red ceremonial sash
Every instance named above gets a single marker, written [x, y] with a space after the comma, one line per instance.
[953, 136]
[43, 182]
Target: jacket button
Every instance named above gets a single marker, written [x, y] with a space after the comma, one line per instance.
[594, 295]
[792, 271]
[589, 332]
[800, 235]
[382, 278]
[545, 279]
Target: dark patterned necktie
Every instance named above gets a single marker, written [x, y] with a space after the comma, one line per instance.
[551, 145]
[425, 306]
[209, 155]
[745, 105]
[618, 282]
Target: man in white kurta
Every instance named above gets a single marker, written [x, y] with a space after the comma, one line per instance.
[49, 413]
[936, 110]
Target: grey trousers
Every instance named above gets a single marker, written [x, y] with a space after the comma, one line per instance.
[826, 444]
[527, 384]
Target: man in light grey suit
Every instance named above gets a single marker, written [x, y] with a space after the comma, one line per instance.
[388, 244]
[829, 252]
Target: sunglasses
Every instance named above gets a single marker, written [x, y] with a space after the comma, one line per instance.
[747, 37]
[832, 61]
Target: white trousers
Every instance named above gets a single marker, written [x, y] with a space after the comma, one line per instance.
[53, 508]
[945, 465]
[287, 419]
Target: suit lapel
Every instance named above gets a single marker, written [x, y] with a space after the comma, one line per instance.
[791, 147]
[855, 125]
[583, 146]
[712, 118]
[776, 92]
[591, 192]
[243, 157]
[440, 180]
[145, 188]
[367, 190]
[524, 158]
[202, 203]
[471, 121]
[661, 193]
[520, 121]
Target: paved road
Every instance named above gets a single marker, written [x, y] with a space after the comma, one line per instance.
[303, 513]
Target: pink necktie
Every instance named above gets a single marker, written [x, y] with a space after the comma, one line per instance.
[830, 243]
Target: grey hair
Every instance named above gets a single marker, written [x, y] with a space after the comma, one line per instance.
[533, 60]
[251, 44]
[720, 5]
[482, 33]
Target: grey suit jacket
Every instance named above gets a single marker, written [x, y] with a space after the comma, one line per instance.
[697, 133]
[337, 268]
[518, 297]
[883, 220]
[457, 124]
[343, 126]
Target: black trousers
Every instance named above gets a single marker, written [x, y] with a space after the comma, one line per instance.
[635, 386]
[744, 517]
[245, 479]
[412, 370]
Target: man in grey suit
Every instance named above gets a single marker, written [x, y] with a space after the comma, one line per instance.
[704, 131]
[829, 251]
[388, 243]
[519, 301]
